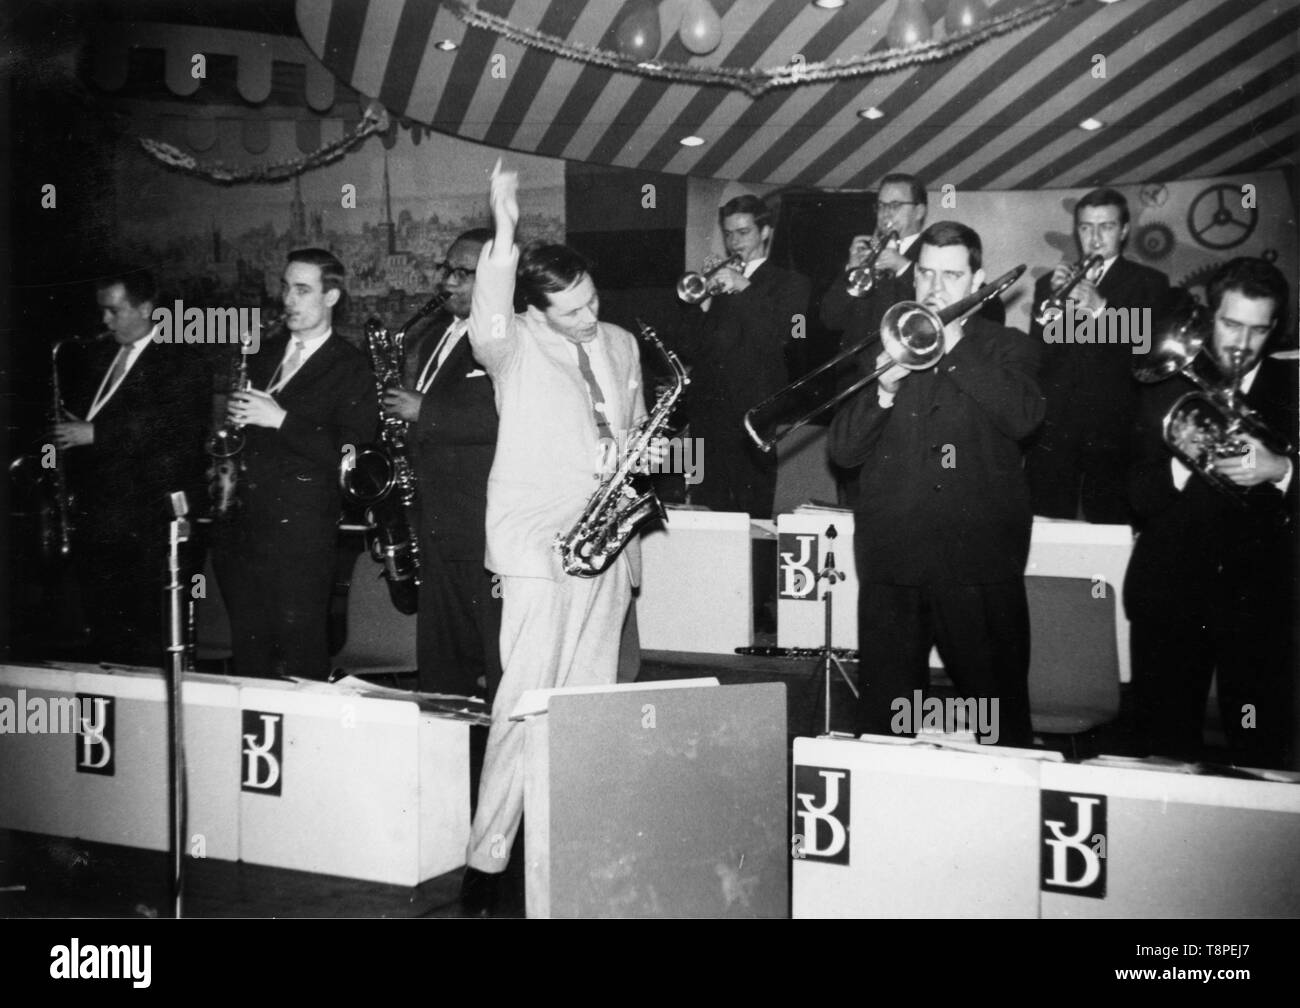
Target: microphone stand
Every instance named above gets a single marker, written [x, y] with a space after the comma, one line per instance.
[827, 660]
[178, 533]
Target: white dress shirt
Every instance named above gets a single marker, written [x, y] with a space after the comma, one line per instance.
[133, 352]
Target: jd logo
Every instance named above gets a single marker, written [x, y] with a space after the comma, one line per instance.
[261, 753]
[1072, 861]
[95, 734]
[797, 556]
[821, 812]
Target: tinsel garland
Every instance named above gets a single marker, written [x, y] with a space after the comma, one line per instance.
[757, 82]
[375, 120]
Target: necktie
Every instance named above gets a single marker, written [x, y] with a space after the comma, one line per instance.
[118, 370]
[435, 360]
[115, 374]
[289, 366]
[597, 397]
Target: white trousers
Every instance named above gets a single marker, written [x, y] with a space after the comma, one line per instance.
[553, 633]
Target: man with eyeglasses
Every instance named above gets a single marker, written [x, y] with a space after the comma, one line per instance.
[1210, 590]
[1077, 464]
[452, 411]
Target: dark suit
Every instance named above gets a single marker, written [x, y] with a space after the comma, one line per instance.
[453, 442]
[148, 444]
[275, 560]
[942, 525]
[1211, 589]
[1078, 463]
[737, 353]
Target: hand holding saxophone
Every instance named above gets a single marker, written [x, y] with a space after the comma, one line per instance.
[255, 407]
[402, 403]
[72, 433]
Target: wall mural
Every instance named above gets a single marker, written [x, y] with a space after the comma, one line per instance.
[389, 214]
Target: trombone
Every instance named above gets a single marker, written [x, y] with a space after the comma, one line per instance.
[912, 336]
[694, 287]
[1053, 305]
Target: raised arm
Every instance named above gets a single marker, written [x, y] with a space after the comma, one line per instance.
[492, 317]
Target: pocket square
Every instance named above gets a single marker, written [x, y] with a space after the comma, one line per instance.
[476, 373]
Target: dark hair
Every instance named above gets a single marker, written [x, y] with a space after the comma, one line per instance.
[139, 285]
[545, 270]
[479, 236]
[332, 272]
[746, 204]
[1252, 278]
[911, 181]
[1104, 197]
[941, 234]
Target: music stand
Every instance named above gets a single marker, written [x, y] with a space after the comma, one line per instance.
[826, 659]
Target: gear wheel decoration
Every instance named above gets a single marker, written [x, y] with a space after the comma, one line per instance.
[1200, 277]
[1217, 220]
[1154, 194]
[1155, 241]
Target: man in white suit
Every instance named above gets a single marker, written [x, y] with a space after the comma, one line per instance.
[568, 387]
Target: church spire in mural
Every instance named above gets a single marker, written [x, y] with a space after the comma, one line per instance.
[389, 230]
[297, 214]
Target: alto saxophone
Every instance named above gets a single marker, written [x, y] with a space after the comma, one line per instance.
[381, 478]
[618, 509]
[226, 445]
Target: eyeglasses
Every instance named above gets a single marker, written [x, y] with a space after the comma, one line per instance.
[892, 207]
[459, 272]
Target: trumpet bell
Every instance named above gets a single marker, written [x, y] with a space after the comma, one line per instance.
[692, 288]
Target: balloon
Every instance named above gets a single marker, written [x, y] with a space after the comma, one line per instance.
[963, 15]
[701, 29]
[638, 31]
[909, 26]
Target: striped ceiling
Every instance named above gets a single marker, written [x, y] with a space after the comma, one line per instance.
[1192, 88]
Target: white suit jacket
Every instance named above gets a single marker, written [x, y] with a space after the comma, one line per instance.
[548, 457]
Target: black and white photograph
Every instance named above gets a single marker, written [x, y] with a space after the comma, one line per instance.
[689, 459]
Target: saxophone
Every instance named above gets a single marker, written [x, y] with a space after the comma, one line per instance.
[46, 474]
[226, 445]
[380, 476]
[617, 509]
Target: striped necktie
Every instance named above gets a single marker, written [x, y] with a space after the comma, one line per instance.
[597, 397]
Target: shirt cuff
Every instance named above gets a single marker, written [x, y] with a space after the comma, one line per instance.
[1180, 473]
[1285, 482]
[886, 399]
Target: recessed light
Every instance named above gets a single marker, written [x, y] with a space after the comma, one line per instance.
[870, 113]
[1091, 124]
[446, 45]
[691, 141]
[828, 4]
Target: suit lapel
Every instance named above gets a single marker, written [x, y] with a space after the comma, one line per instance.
[315, 365]
[455, 366]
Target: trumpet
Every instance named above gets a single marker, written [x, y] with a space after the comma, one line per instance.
[863, 278]
[695, 287]
[912, 336]
[1211, 423]
[1053, 305]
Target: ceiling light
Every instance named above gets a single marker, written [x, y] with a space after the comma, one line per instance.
[691, 141]
[446, 45]
[1091, 124]
[870, 113]
[829, 4]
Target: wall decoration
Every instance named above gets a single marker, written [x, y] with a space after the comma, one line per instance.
[1218, 220]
